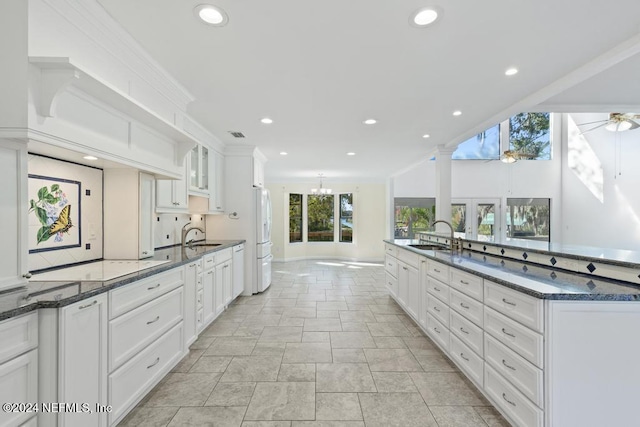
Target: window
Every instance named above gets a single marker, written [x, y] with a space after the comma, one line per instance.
[413, 215]
[459, 220]
[295, 218]
[346, 218]
[530, 133]
[528, 219]
[483, 146]
[320, 218]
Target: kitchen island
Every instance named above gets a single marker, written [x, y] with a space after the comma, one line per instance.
[547, 346]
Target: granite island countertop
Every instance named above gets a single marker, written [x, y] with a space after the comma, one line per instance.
[532, 279]
[53, 294]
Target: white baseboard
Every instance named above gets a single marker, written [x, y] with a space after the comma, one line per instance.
[331, 258]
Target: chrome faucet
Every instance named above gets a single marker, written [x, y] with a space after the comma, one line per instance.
[186, 231]
[452, 245]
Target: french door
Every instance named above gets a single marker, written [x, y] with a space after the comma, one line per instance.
[476, 219]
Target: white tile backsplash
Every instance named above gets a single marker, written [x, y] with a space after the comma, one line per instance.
[168, 228]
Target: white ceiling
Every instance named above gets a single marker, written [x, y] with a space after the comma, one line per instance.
[318, 69]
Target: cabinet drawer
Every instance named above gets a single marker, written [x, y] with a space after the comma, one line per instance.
[438, 289]
[131, 381]
[516, 305]
[510, 400]
[467, 306]
[437, 270]
[467, 283]
[208, 261]
[19, 384]
[523, 375]
[391, 250]
[470, 362]
[391, 265]
[409, 258]
[133, 295]
[392, 284]
[438, 332]
[438, 309]
[467, 332]
[18, 335]
[130, 333]
[524, 341]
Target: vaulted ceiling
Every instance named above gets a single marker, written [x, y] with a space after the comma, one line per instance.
[319, 69]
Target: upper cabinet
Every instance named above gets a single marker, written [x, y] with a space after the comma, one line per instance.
[216, 175]
[13, 205]
[258, 172]
[199, 171]
[172, 194]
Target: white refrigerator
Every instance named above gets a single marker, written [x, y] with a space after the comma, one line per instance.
[263, 239]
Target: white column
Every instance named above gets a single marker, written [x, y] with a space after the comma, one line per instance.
[443, 186]
[14, 71]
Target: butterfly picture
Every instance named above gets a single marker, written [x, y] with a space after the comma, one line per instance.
[63, 223]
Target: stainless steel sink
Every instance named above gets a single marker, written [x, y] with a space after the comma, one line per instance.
[203, 244]
[429, 247]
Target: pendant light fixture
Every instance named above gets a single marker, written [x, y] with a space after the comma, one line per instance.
[321, 189]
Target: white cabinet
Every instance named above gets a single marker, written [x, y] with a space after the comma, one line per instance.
[258, 172]
[409, 288]
[223, 280]
[191, 276]
[128, 214]
[82, 364]
[18, 367]
[13, 205]
[199, 171]
[216, 185]
[238, 270]
[208, 295]
[172, 195]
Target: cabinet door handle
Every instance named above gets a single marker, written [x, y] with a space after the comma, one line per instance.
[463, 331]
[504, 396]
[436, 289]
[504, 362]
[462, 355]
[154, 363]
[192, 265]
[466, 307]
[210, 272]
[87, 305]
[508, 302]
[463, 282]
[507, 333]
[436, 270]
[436, 309]
[144, 252]
[218, 207]
[154, 287]
[389, 264]
[404, 268]
[436, 329]
[27, 275]
[154, 320]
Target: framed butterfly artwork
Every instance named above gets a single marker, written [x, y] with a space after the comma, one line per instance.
[54, 213]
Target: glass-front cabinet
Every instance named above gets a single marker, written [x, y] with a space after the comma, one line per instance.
[199, 171]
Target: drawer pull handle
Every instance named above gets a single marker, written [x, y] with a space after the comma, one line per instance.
[154, 287]
[192, 265]
[154, 363]
[463, 331]
[508, 302]
[390, 284]
[154, 320]
[504, 396]
[389, 264]
[404, 268]
[436, 289]
[436, 270]
[462, 355]
[504, 362]
[463, 282]
[88, 305]
[210, 272]
[436, 329]
[436, 309]
[466, 307]
[507, 333]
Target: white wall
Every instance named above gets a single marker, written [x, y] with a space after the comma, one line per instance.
[600, 182]
[369, 216]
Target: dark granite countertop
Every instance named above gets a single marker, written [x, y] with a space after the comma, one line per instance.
[54, 294]
[532, 279]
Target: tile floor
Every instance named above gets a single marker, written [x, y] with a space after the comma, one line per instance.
[324, 346]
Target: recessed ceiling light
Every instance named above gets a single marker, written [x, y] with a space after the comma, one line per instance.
[90, 158]
[423, 17]
[457, 113]
[283, 153]
[426, 135]
[351, 153]
[511, 71]
[266, 121]
[370, 122]
[211, 15]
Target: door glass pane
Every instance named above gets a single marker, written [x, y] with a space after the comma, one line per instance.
[193, 174]
[346, 217]
[486, 222]
[413, 215]
[528, 219]
[205, 168]
[459, 220]
[295, 218]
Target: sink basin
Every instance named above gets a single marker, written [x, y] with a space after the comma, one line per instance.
[429, 247]
[203, 244]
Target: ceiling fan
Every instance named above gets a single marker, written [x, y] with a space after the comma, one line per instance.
[617, 122]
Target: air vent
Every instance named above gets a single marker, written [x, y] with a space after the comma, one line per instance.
[237, 134]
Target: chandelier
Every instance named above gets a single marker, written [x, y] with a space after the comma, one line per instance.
[321, 189]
